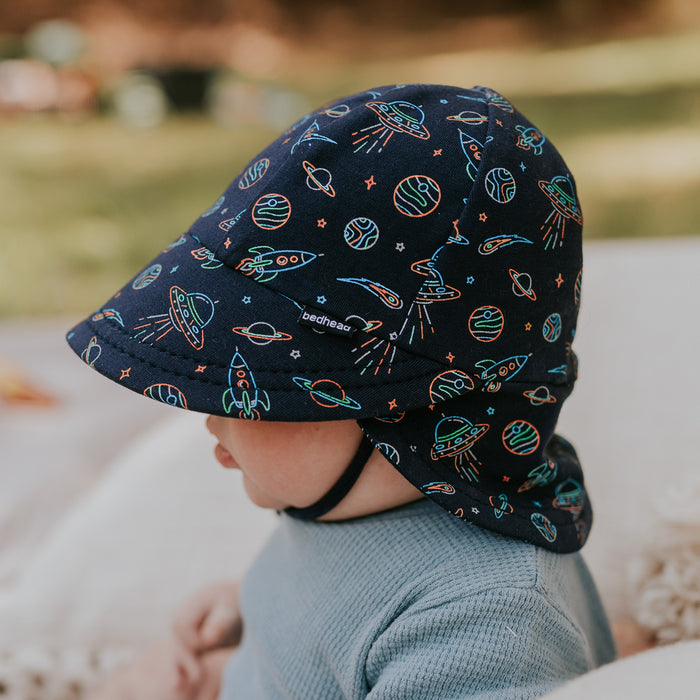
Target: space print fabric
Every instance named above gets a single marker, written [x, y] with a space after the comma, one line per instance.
[409, 257]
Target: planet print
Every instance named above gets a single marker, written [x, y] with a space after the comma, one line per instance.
[166, 393]
[361, 233]
[521, 437]
[486, 323]
[551, 329]
[271, 211]
[261, 333]
[500, 185]
[254, 173]
[417, 195]
[149, 275]
[450, 384]
[326, 393]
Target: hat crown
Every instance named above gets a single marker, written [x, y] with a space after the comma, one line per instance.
[437, 238]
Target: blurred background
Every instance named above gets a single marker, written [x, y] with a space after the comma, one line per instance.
[122, 120]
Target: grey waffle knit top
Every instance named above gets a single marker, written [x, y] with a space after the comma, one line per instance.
[412, 604]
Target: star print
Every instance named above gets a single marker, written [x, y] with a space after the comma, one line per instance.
[174, 269]
[400, 247]
[522, 166]
[499, 122]
[392, 404]
[125, 373]
[287, 140]
[482, 216]
[321, 299]
[470, 280]
[431, 406]
[413, 448]
[475, 511]
[449, 357]
[200, 368]
[117, 295]
[506, 479]
[528, 326]
[370, 183]
[559, 280]
[321, 223]
[437, 152]
[227, 243]
[490, 410]
[295, 354]
[393, 335]
[246, 300]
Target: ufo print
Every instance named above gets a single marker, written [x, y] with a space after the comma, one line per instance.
[188, 313]
[394, 118]
[261, 333]
[560, 192]
[432, 290]
[454, 437]
[569, 496]
[530, 138]
[375, 352]
[326, 393]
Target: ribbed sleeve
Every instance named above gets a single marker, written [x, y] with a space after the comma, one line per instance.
[412, 604]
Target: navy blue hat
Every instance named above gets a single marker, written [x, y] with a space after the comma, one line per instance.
[409, 257]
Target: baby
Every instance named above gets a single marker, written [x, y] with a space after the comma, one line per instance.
[378, 314]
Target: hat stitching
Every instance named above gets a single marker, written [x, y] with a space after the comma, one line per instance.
[479, 383]
[204, 380]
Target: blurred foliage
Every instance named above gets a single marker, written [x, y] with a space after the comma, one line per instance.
[300, 14]
[86, 204]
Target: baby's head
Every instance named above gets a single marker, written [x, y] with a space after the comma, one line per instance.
[409, 259]
[294, 466]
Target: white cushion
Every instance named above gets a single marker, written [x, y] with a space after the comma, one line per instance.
[165, 520]
[664, 672]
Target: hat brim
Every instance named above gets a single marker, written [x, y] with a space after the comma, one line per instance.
[194, 333]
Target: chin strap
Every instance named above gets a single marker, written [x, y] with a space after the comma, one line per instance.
[341, 488]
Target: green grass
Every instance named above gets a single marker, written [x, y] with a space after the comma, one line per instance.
[85, 204]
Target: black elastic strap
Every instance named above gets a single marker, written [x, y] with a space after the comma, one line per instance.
[341, 487]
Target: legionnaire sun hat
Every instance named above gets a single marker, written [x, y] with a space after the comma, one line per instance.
[408, 257]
